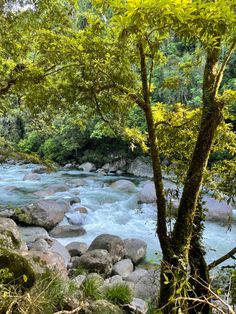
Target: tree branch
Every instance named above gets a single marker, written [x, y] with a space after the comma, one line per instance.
[222, 259]
[223, 65]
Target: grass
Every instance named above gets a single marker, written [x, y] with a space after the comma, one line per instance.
[119, 294]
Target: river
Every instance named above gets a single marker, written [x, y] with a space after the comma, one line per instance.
[109, 211]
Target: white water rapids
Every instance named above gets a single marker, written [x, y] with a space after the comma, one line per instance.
[109, 211]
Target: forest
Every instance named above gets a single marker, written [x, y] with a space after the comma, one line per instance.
[97, 81]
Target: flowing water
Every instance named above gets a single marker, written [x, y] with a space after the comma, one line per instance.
[109, 211]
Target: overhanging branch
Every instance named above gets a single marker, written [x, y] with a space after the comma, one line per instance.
[222, 259]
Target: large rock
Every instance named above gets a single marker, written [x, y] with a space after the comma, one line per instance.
[117, 165]
[137, 306]
[123, 185]
[76, 248]
[113, 244]
[148, 287]
[44, 213]
[147, 193]
[135, 249]
[9, 234]
[31, 234]
[136, 275]
[41, 169]
[67, 231]
[98, 261]
[216, 210]
[87, 167]
[78, 182]
[19, 266]
[123, 268]
[51, 245]
[102, 307]
[52, 189]
[141, 168]
[32, 177]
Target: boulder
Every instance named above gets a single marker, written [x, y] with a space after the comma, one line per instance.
[98, 261]
[40, 245]
[31, 234]
[147, 193]
[101, 172]
[141, 168]
[44, 213]
[52, 189]
[19, 266]
[87, 167]
[49, 260]
[113, 280]
[123, 185]
[136, 275]
[113, 244]
[67, 231]
[117, 165]
[102, 307]
[217, 210]
[76, 248]
[148, 287]
[123, 268]
[32, 177]
[135, 249]
[9, 234]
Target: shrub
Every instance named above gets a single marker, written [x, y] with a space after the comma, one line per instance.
[91, 288]
[119, 293]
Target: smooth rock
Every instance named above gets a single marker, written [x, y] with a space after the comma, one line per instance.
[44, 213]
[98, 261]
[136, 275]
[30, 234]
[78, 182]
[123, 268]
[148, 287]
[113, 280]
[67, 231]
[123, 185]
[87, 167]
[76, 248]
[113, 244]
[139, 306]
[41, 169]
[147, 193]
[141, 168]
[9, 234]
[217, 210]
[117, 165]
[135, 249]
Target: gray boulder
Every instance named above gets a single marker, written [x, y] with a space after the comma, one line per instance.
[113, 244]
[136, 275]
[138, 306]
[9, 234]
[76, 248]
[98, 261]
[32, 177]
[217, 210]
[140, 168]
[135, 249]
[87, 167]
[147, 193]
[123, 185]
[78, 182]
[79, 280]
[41, 169]
[148, 287]
[31, 234]
[44, 213]
[123, 268]
[67, 231]
[117, 165]
[75, 218]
